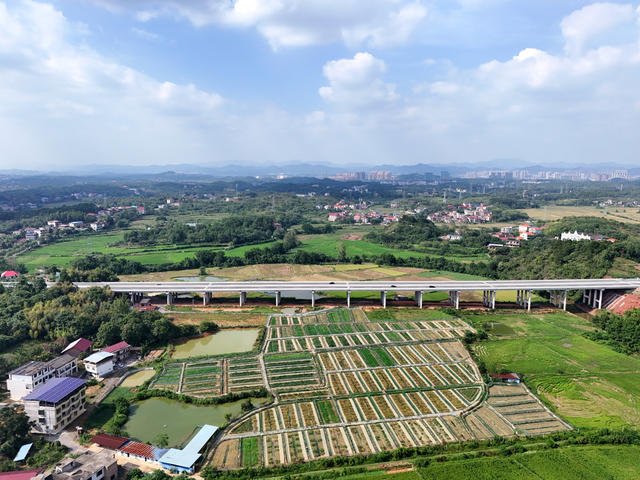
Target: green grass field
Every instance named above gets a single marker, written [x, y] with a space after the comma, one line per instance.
[327, 412]
[103, 413]
[587, 383]
[250, 452]
[569, 463]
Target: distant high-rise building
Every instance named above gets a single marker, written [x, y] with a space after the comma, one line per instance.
[444, 175]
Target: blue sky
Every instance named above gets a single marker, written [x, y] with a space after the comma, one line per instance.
[320, 81]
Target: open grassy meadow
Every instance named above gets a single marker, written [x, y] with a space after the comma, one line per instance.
[569, 463]
[556, 212]
[587, 383]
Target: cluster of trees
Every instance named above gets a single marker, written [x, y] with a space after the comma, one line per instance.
[622, 329]
[234, 230]
[410, 230]
[543, 258]
[30, 311]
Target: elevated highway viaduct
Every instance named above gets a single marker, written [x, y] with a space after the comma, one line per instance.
[593, 289]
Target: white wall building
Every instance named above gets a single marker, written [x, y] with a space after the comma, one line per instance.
[99, 364]
[33, 375]
[575, 236]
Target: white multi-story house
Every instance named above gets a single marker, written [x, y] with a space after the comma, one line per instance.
[99, 364]
[56, 404]
[31, 376]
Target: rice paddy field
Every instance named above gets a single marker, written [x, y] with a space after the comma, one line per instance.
[585, 382]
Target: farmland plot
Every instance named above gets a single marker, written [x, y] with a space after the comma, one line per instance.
[344, 384]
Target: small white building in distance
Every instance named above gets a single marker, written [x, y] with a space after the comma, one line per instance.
[574, 236]
[99, 364]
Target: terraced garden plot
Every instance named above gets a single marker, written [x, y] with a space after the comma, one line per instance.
[296, 447]
[379, 384]
[327, 411]
[251, 455]
[340, 443]
[227, 455]
[339, 316]
[317, 443]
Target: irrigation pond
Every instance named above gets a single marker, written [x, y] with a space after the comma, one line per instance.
[233, 340]
[178, 420]
[138, 378]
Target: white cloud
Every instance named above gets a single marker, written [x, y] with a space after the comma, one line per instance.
[49, 81]
[145, 34]
[355, 82]
[582, 25]
[293, 23]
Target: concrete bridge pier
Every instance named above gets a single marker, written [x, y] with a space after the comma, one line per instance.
[418, 297]
[313, 298]
[243, 298]
[206, 298]
[278, 298]
[489, 298]
[454, 298]
[169, 298]
[383, 298]
[597, 298]
[348, 298]
[523, 298]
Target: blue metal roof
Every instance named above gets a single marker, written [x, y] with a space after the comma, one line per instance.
[23, 452]
[179, 458]
[55, 389]
[200, 439]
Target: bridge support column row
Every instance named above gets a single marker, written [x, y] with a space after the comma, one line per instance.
[418, 298]
[523, 298]
[454, 298]
[135, 297]
[206, 298]
[383, 298]
[558, 298]
[593, 298]
[489, 298]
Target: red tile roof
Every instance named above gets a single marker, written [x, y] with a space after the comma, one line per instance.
[19, 475]
[109, 441]
[142, 450]
[9, 274]
[116, 347]
[79, 345]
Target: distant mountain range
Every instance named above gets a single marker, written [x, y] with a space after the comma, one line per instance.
[306, 169]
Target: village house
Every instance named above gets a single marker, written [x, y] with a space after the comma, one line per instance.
[56, 404]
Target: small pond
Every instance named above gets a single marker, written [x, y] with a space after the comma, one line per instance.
[225, 341]
[137, 378]
[200, 279]
[178, 420]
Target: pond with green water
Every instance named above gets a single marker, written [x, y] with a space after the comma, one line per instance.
[225, 341]
[138, 378]
[178, 420]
